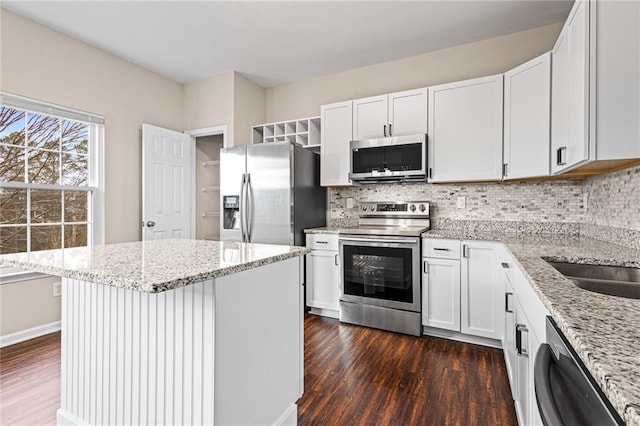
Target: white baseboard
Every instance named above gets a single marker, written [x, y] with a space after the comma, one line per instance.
[460, 337]
[325, 312]
[30, 333]
[289, 417]
[66, 419]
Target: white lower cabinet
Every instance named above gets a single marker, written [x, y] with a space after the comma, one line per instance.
[481, 292]
[323, 274]
[441, 293]
[523, 315]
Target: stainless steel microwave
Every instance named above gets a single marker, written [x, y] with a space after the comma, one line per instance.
[398, 158]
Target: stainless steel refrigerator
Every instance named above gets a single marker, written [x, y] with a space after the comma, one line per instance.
[269, 193]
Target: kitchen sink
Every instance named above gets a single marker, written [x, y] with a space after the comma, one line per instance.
[611, 280]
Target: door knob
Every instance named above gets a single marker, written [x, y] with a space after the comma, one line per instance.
[151, 224]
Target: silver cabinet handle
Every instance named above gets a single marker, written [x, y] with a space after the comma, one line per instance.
[561, 156]
[151, 224]
[441, 249]
[506, 303]
[465, 251]
[505, 265]
[505, 168]
[390, 129]
[335, 259]
[522, 351]
[384, 130]
[322, 242]
[425, 267]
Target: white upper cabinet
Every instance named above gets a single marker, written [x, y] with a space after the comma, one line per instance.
[527, 119]
[570, 90]
[465, 130]
[395, 114]
[595, 94]
[334, 146]
[370, 118]
[408, 112]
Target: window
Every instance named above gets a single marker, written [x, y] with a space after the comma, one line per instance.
[50, 177]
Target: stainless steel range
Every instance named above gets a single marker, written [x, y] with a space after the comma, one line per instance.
[380, 268]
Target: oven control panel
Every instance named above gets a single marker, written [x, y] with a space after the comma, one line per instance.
[404, 208]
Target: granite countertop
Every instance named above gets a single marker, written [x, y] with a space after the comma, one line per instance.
[152, 266]
[325, 230]
[604, 330]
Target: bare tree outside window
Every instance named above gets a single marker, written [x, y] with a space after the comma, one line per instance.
[43, 152]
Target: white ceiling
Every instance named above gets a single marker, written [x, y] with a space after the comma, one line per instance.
[275, 43]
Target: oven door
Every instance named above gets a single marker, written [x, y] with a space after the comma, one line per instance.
[381, 271]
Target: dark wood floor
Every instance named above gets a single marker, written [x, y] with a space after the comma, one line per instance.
[353, 376]
[362, 376]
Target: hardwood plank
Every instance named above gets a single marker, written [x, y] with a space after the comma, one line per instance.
[353, 376]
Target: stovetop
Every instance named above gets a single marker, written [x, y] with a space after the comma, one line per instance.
[411, 231]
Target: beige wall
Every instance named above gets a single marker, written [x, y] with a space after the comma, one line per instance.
[46, 65]
[209, 103]
[492, 56]
[227, 99]
[249, 108]
[28, 304]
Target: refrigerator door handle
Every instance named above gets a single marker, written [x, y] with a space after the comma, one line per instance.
[249, 209]
[243, 208]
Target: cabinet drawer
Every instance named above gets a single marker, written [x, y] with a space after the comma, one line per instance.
[322, 241]
[443, 249]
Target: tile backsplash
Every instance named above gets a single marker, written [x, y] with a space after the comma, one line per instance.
[611, 213]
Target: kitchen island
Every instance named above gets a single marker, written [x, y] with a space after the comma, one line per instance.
[178, 331]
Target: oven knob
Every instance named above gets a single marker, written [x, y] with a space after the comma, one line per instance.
[422, 207]
[412, 207]
[373, 207]
[364, 207]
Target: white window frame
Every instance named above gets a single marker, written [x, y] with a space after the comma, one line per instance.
[95, 186]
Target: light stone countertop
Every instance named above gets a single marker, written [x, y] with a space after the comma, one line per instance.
[604, 330]
[152, 266]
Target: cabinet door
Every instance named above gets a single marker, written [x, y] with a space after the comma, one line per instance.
[370, 118]
[527, 119]
[441, 293]
[334, 147]
[509, 334]
[408, 112]
[482, 297]
[465, 126]
[323, 275]
[522, 391]
[570, 92]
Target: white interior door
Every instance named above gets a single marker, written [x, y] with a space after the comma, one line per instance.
[167, 183]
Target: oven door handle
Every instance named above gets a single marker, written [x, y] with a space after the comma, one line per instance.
[372, 240]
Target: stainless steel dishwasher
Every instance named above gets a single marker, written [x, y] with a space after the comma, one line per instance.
[565, 391]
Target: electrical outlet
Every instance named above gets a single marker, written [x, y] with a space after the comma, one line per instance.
[461, 203]
[350, 202]
[57, 289]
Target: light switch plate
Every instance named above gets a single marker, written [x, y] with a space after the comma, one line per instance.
[461, 203]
